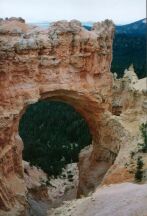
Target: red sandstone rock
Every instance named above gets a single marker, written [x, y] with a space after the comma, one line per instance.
[65, 62]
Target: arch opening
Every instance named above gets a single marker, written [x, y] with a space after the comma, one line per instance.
[53, 135]
[96, 160]
[55, 132]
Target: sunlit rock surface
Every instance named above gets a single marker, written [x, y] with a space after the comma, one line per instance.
[120, 199]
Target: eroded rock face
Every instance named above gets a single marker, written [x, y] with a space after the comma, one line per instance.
[130, 110]
[44, 194]
[120, 134]
[129, 92]
[65, 62]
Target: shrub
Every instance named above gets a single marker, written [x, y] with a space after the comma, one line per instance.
[139, 171]
[132, 154]
[139, 175]
[143, 129]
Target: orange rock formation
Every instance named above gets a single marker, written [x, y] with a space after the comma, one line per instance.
[65, 62]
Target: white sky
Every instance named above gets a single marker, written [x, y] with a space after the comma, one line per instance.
[120, 11]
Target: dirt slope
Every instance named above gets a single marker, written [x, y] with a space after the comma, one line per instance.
[126, 199]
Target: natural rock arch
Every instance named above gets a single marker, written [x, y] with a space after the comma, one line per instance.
[65, 62]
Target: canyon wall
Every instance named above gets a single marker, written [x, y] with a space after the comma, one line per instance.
[69, 63]
[65, 62]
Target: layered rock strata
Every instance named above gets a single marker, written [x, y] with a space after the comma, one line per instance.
[65, 62]
[68, 63]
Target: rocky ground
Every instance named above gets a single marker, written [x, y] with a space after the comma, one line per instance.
[126, 199]
[44, 193]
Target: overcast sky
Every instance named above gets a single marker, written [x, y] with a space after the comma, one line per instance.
[120, 11]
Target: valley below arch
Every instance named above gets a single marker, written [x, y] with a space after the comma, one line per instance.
[99, 157]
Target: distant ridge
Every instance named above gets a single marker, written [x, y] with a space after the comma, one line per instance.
[129, 47]
[43, 25]
[135, 28]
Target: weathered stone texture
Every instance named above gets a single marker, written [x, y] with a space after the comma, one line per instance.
[65, 62]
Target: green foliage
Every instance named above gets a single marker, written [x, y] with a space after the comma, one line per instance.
[128, 49]
[139, 163]
[138, 175]
[53, 134]
[143, 129]
[132, 154]
[139, 171]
